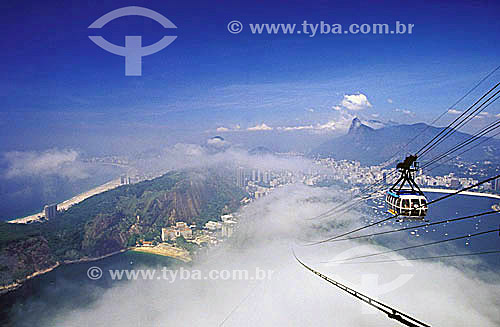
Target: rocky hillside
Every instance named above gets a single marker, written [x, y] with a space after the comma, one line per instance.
[24, 258]
[113, 220]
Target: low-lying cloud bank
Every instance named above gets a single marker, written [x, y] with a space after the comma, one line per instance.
[438, 294]
[31, 179]
[187, 156]
[50, 162]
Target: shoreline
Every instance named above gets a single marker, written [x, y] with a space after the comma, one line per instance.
[4, 289]
[165, 251]
[450, 191]
[170, 252]
[112, 184]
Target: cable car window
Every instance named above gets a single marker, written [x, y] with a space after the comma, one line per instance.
[406, 203]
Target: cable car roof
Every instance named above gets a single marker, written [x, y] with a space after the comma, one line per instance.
[397, 194]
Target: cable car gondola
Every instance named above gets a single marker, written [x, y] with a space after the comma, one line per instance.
[409, 201]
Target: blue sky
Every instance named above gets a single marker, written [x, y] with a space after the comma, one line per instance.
[61, 90]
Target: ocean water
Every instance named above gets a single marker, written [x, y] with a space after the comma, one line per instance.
[453, 207]
[24, 196]
[68, 287]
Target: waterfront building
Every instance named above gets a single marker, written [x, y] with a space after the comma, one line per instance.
[240, 177]
[228, 227]
[50, 211]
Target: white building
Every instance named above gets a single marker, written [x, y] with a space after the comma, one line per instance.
[228, 228]
[180, 229]
[227, 217]
[213, 225]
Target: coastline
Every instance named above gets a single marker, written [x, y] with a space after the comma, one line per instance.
[165, 251]
[160, 250]
[4, 289]
[450, 191]
[70, 202]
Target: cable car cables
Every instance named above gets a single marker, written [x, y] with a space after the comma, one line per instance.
[394, 216]
[389, 311]
[417, 246]
[417, 226]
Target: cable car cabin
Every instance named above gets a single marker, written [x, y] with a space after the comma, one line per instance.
[406, 203]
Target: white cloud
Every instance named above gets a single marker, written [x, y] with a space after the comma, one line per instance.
[187, 149]
[267, 228]
[184, 156]
[454, 112]
[332, 125]
[310, 110]
[261, 127]
[337, 108]
[497, 115]
[406, 112]
[389, 100]
[482, 115]
[51, 162]
[296, 128]
[223, 129]
[340, 124]
[356, 102]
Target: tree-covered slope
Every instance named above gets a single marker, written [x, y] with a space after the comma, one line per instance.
[112, 220]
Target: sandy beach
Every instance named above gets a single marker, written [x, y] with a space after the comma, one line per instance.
[68, 203]
[166, 251]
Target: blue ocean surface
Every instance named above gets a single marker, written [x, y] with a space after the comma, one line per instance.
[450, 208]
[68, 288]
[24, 196]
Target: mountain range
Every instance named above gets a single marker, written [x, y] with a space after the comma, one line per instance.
[375, 146]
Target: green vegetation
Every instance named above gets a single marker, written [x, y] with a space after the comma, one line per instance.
[182, 243]
[13, 232]
[120, 217]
